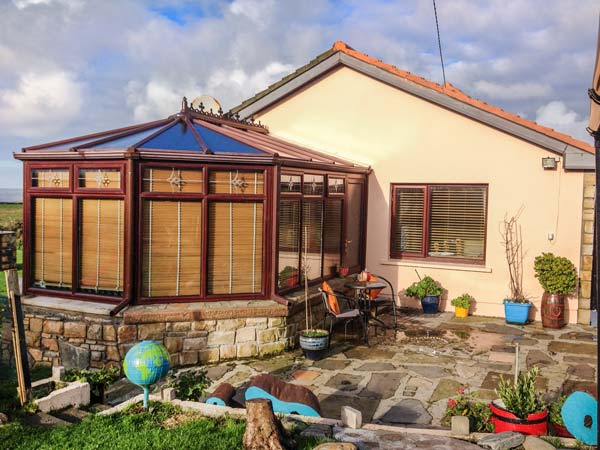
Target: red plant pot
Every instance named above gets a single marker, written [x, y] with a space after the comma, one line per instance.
[503, 420]
[343, 271]
[561, 431]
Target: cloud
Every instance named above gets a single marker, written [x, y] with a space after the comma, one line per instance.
[556, 115]
[40, 103]
[513, 91]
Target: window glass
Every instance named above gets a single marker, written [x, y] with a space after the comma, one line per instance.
[312, 235]
[172, 180]
[313, 185]
[290, 183]
[332, 236]
[50, 178]
[100, 178]
[408, 230]
[289, 243]
[236, 182]
[336, 185]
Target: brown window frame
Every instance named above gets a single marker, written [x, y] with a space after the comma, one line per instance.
[423, 256]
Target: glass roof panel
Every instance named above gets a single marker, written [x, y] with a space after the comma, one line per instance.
[219, 143]
[126, 141]
[75, 143]
[178, 137]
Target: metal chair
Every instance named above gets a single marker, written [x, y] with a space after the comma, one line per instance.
[385, 299]
[346, 315]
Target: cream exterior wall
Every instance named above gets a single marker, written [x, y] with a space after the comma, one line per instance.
[406, 139]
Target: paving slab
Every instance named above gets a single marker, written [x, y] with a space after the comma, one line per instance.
[539, 359]
[331, 405]
[345, 382]
[305, 376]
[430, 371]
[382, 385]
[575, 348]
[445, 389]
[368, 353]
[492, 379]
[408, 411]
[376, 367]
[332, 364]
[505, 330]
[577, 336]
[215, 373]
[273, 366]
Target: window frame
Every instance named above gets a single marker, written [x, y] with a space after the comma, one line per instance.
[423, 256]
[95, 166]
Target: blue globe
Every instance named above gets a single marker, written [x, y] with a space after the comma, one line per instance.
[146, 363]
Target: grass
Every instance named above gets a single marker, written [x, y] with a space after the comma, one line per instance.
[164, 427]
[9, 212]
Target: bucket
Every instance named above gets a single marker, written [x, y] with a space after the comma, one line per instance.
[430, 304]
[516, 312]
[461, 312]
[535, 424]
[553, 310]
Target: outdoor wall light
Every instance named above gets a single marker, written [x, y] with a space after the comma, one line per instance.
[549, 163]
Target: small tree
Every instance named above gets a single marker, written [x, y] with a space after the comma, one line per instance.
[513, 248]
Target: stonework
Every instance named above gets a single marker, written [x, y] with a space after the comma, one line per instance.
[587, 237]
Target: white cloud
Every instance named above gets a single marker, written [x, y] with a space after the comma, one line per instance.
[22, 4]
[154, 100]
[258, 11]
[556, 115]
[513, 91]
[40, 103]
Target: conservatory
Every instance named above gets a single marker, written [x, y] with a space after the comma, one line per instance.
[200, 206]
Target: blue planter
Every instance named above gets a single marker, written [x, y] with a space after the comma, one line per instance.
[315, 347]
[430, 304]
[516, 312]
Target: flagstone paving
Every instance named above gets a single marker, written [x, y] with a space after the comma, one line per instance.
[406, 376]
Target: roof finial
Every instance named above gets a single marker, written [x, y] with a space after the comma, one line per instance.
[184, 105]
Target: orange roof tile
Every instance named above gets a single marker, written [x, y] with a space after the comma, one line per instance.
[452, 91]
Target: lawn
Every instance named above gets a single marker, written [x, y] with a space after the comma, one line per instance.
[165, 427]
[9, 212]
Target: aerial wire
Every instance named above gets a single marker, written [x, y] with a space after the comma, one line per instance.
[437, 26]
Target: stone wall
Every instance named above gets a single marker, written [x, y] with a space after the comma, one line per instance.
[587, 239]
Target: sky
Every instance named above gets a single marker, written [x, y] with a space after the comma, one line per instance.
[71, 67]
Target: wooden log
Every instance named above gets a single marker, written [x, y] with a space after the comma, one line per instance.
[263, 430]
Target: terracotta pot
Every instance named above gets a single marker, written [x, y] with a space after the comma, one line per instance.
[553, 310]
[535, 424]
[461, 312]
[343, 272]
[561, 430]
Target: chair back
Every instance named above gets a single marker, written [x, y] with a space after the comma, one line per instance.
[330, 300]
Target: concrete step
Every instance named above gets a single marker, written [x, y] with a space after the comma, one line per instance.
[71, 415]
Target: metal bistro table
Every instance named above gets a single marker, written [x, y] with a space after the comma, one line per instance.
[362, 289]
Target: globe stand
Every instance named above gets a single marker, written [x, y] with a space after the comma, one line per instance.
[146, 395]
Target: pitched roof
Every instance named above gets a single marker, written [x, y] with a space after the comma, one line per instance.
[447, 90]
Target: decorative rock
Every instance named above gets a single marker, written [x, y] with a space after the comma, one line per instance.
[336, 446]
[317, 430]
[109, 333]
[168, 394]
[35, 324]
[535, 443]
[151, 331]
[502, 441]
[73, 357]
[94, 332]
[58, 373]
[4, 419]
[460, 426]
[351, 418]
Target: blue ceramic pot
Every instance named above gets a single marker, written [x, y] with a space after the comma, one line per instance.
[516, 312]
[315, 347]
[430, 304]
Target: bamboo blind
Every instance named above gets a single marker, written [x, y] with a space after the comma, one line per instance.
[100, 178]
[235, 243]
[235, 182]
[50, 178]
[312, 236]
[172, 180]
[52, 234]
[289, 242]
[332, 236]
[408, 230]
[172, 248]
[101, 248]
[457, 221]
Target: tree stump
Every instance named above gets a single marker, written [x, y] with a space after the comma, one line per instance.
[263, 430]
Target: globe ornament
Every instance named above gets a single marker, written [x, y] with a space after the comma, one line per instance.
[146, 363]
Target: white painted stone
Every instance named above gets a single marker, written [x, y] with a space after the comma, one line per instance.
[168, 394]
[460, 425]
[75, 394]
[58, 373]
[351, 418]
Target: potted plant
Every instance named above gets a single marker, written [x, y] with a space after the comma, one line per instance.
[461, 305]
[288, 277]
[343, 271]
[517, 306]
[558, 277]
[428, 291]
[313, 341]
[468, 405]
[556, 419]
[520, 407]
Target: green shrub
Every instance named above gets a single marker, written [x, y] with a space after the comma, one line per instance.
[189, 385]
[554, 411]
[464, 301]
[423, 288]
[557, 275]
[99, 379]
[521, 399]
[477, 411]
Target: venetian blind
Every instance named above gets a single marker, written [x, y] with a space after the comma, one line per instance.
[101, 247]
[52, 234]
[332, 236]
[457, 221]
[235, 243]
[312, 233]
[408, 230]
[354, 213]
[289, 243]
[172, 246]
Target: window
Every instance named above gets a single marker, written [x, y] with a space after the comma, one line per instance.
[50, 178]
[100, 178]
[332, 236]
[170, 179]
[335, 185]
[312, 237]
[439, 221]
[52, 234]
[235, 182]
[313, 185]
[289, 243]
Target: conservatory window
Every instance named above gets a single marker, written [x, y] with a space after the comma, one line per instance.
[312, 234]
[289, 243]
[313, 185]
[99, 178]
[332, 236]
[50, 178]
[236, 182]
[172, 180]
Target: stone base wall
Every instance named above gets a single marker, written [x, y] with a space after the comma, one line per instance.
[587, 240]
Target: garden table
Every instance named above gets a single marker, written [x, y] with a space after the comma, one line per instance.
[362, 289]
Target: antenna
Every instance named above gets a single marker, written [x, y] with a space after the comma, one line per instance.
[437, 26]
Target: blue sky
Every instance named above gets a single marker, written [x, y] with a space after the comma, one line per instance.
[70, 67]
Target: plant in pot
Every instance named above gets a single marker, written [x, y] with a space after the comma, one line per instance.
[558, 277]
[517, 306]
[313, 341]
[428, 291]
[520, 408]
[461, 305]
[556, 420]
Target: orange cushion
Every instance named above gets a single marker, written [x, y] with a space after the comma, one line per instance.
[332, 300]
[373, 293]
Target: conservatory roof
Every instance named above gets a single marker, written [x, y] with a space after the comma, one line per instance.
[192, 134]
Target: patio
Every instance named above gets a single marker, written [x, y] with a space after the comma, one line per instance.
[406, 377]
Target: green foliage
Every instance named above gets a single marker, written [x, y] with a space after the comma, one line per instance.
[463, 301]
[468, 405]
[553, 441]
[521, 399]
[315, 333]
[556, 274]
[99, 379]
[423, 288]
[554, 411]
[516, 300]
[189, 385]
